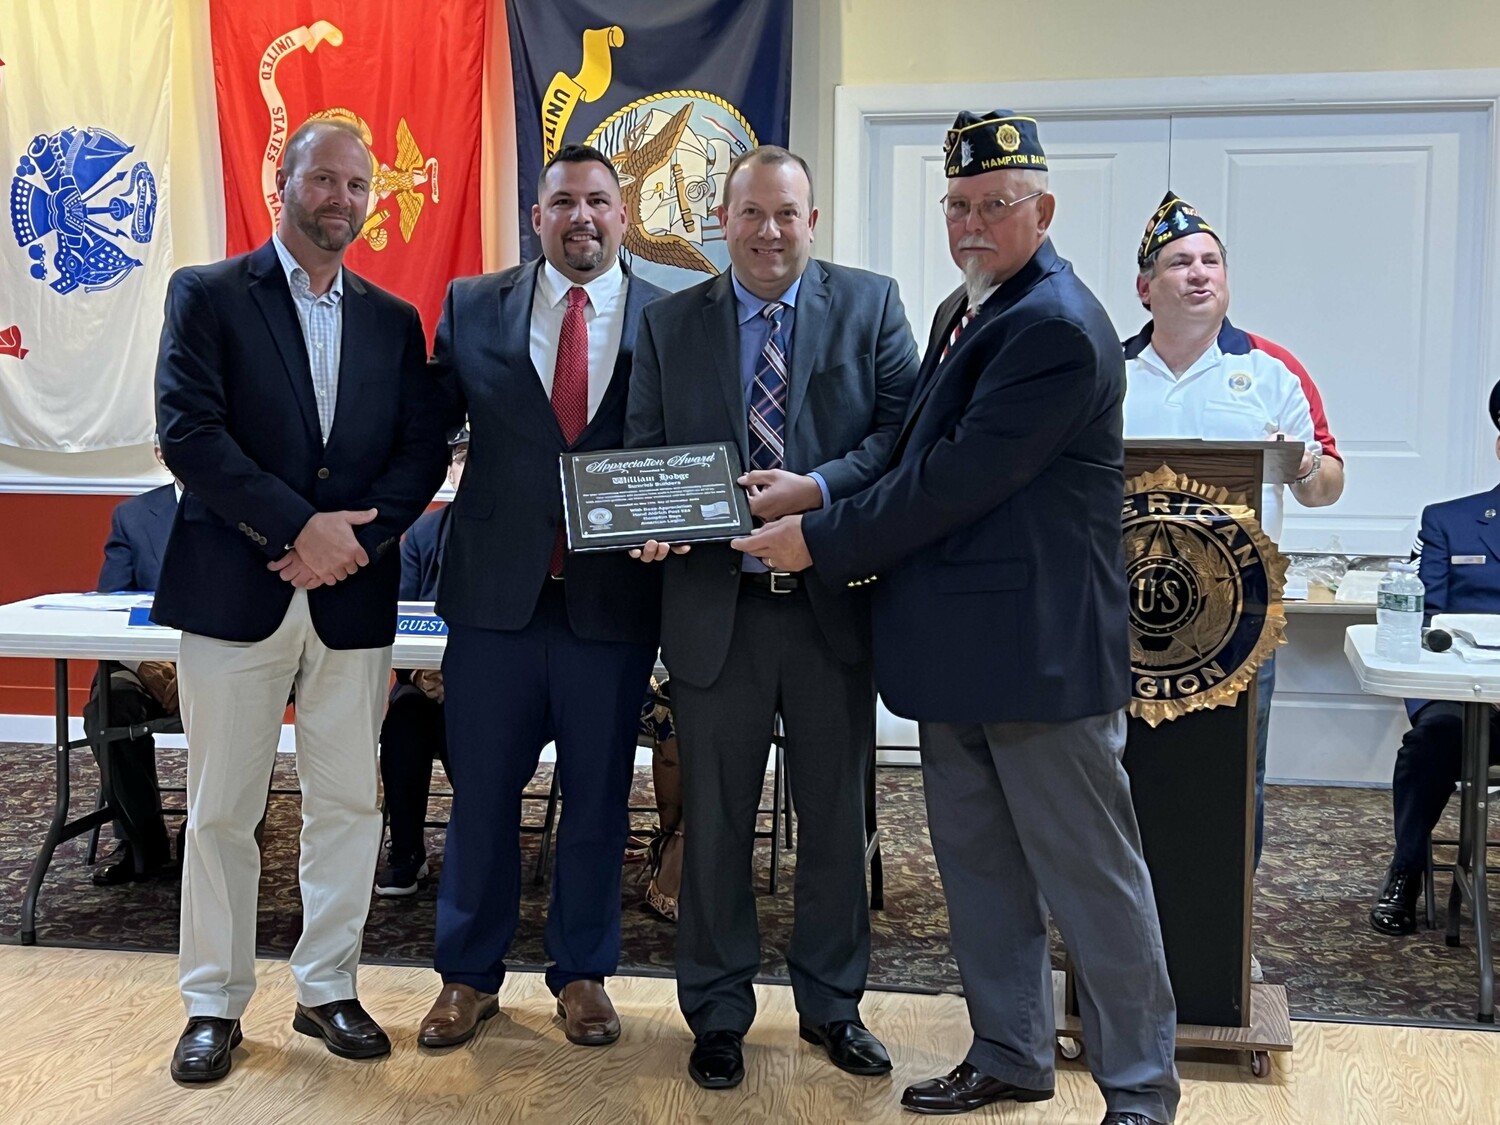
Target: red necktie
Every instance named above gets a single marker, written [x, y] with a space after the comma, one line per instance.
[570, 392]
[957, 332]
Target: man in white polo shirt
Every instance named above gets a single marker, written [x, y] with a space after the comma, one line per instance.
[1192, 374]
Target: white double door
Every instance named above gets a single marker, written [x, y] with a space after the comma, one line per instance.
[1355, 239]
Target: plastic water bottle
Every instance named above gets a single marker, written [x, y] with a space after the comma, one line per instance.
[1398, 614]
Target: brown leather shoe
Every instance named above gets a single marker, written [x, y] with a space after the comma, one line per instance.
[589, 1018]
[456, 1015]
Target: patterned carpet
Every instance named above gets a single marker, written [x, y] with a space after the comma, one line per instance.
[1325, 855]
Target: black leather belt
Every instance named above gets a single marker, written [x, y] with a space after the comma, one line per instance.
[776, 581]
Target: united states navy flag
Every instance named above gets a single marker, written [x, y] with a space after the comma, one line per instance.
[672, 91]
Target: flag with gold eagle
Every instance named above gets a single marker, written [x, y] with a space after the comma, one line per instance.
[409, 77]
[670, 90]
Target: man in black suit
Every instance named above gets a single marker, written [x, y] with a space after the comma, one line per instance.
[542, 646]
[413, 732]
[138, 693]
[1000, 625]
[806, 366]
[295, 406]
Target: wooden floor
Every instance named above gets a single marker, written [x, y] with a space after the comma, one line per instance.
[85, 1037]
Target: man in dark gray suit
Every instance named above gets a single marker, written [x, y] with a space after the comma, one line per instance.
[807, 367]
[1000, 625]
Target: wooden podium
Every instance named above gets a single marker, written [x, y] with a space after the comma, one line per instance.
[1193, 785]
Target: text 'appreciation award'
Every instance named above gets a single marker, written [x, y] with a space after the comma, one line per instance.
[619, 498]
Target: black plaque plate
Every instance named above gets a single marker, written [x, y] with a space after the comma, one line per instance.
[619, 498]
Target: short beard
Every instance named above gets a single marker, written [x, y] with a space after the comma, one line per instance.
[580, 259]
[308, 224]
[977, 280]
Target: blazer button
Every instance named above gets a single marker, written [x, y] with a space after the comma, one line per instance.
[244, 528]
[734, 570]
[322, 474]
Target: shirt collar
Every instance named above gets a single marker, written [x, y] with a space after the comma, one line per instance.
[1148, 355]
[750, 305]
[602, 291]
[988, 293]
[293, 268]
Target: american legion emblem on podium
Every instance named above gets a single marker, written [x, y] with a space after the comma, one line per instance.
[1205, 588]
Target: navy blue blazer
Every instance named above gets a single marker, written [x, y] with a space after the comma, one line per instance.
[853, 365]
[509, 506]
[996, 531]
[1465, 528]
[238, 425]
[422, 555]
[138, 533]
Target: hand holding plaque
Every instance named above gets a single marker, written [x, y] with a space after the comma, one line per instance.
[624, 498]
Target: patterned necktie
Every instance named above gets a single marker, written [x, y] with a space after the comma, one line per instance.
[768, 397]
[570, 393]
[963, 322]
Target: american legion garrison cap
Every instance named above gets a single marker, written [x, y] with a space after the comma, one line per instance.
[1174, 219]
[980, 143]
[1495, 405]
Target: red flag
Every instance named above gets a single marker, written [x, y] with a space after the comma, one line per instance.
[409, 76]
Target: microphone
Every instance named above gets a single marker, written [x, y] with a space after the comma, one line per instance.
[1437, 640]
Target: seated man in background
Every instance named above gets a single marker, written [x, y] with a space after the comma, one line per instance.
[1460, 570]
[413, 732]
[138, 693]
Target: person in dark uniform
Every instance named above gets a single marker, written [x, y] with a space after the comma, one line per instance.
[1460, 570]
[138, 693]
[413, 732]
[1000, 625]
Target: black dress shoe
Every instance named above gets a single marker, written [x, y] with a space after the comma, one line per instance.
[203, 1050]
[1395, 912]
[964, 1088]
[718, 1060]
[1128, 1119]
[850, 1046]
[345, 1027]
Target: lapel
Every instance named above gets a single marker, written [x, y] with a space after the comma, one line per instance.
[517, 295]
[721, 325]
[637, 295]
[161, 506]
[1489, 526]
[270, 292]
[359, 332]
[807, 339]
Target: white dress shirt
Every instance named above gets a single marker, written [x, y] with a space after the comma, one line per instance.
[604, 316]
[322, 320]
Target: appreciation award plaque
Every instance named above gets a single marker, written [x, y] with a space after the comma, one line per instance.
[620, 498]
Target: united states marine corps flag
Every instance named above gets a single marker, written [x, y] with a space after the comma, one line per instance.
[408, 77]
[671, 91]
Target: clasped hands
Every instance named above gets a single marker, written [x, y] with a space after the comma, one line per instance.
[777, 497]
[325, 550]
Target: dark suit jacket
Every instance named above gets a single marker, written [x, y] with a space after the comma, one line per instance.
[238, 425]
[1466, 527]
[853, 364]
[422, 555]
[138, 533]
[509, 506]
[996, 532]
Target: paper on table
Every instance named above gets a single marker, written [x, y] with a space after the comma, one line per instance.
[1359, 587]
[1479, 629]
[114, 603]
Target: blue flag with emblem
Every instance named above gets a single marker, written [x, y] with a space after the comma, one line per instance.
[671, 91]
[85, 252]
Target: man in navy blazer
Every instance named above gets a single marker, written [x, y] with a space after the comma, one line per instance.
[1459, 543]
[295, 405]
[1000, 626]
[806, 367]
[543, 646]
[138, 693]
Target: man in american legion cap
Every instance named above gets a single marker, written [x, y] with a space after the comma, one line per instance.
[999, 614]
[1193, 374]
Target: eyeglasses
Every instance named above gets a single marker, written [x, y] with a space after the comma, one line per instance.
[992, 208]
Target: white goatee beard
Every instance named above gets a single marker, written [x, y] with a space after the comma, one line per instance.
[978, 281]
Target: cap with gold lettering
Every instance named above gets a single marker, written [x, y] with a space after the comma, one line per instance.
[990, 142]
[1174, 219]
